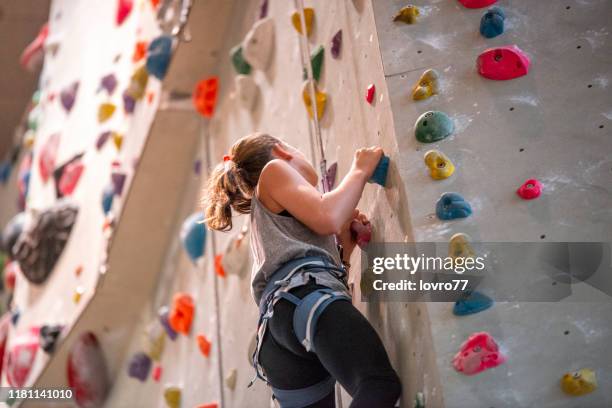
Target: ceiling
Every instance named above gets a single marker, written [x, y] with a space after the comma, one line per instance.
[20, 22]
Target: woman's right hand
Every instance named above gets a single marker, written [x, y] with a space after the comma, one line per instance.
[366, 159]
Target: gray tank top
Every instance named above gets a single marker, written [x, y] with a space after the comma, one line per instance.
[276, 239]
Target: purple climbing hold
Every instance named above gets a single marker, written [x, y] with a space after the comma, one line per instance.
[197, 167]
[68, 96]
[102, 139]
[336, 44]
[108, 83]
[330, 177]
[163, 319]
[129, 103]
[118, 180]
[263, 9]
[139, 366]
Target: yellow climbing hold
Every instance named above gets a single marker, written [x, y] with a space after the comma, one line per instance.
[440, 166]
[138, 83]
[321, 100]
[459, 246]
[580, 382]
[105, 111]
[117, 140]
[308, 18]
[155, 340]
[407, 15]
[172, 395]
[231, 378]
[427, 86]
[78, 293]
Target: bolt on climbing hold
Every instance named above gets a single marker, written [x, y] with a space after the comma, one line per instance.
[308, 18]
[427, 85]
[21, 356]
[15, 315]
[140, 51]
[503, 63]
[579, 382]
[78, 294]
[158, 56]
[471, 302]
[209, 405]
[407, 14]
[117, 140]
[219, 266]
[154, 341]
[419, 400]
[380, 172]
[68, 175]
[129, 103]
[172, 396]
[477, 3]
[320, 97]
[530, 189]
[68, 96]
[181, 313]
[459, 246]
[440, 166]
[48, 337]
[204, 345]
[108, 194]
[451, 206]
[258, 44]
[316, 62]
[329, 178]
[362, 233]
[157, 372]
[105, 111]
[193, 236]
[433, 126]
[47, 156]
[139, 366]
[239, 63]
[230, 379]
[163, 314]
[205, 96]
[478, 353]
[108, 83]
[124, 8]
[138, 84]
[492, 22]
[370, 92]
[246, 90]
[336, 44]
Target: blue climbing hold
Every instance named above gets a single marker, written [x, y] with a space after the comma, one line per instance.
[492, 23]
[5, 171]
[451, 206]
[107, 198]
[380, 172]
[472, 302]
[158, 56]
[15, 315]
[193, 236]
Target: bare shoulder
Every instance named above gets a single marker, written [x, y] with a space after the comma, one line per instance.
[274, 174]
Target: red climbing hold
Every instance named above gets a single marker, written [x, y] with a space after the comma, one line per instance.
[10, 274]
[477, 3]
[140, 51]
[210, 405]
[205, 96]
[46, 160]
[530, 189]
[124, 8]
[181, 315]
[87, 372]
[21, 356]
[370, 93]
[478, 353]
[362, 233]
[33, 55]
[503, 63]
[157, 372]
[204, 345]
[219, 265]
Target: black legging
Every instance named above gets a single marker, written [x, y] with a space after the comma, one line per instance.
[347, 347]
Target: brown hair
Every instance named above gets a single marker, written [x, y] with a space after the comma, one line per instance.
[232, 183]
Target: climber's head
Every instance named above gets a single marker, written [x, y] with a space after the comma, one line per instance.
[232, 183]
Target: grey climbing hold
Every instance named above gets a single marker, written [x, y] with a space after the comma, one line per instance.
[433, 126]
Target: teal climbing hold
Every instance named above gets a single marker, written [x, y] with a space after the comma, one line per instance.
[492, 23]
[451, 206]
[193, 236]
[472, 302]
[158, 56]
[240, 64]
[380, 173]
[433, 126]
[316, 61]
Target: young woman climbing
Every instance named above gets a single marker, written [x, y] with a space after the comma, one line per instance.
[309, 335]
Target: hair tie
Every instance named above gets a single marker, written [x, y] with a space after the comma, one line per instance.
[227, 162]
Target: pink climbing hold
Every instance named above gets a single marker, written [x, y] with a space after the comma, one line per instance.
[87, 372]
[362, 233]
[370, 93]
[477, 3]
[530, 189]
[34, 54]
[48, 153]
[124, 8]
[157, 372]
[477, 354]
[503, 63]
[21, 356]
[70, 177]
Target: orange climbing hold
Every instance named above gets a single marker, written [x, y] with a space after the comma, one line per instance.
[181, 315]
[204, 344]
[140, 51]
[219, 265]
[205, 96]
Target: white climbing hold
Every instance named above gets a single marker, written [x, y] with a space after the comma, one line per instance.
[246, 90]
[230, 379]
[258, 44]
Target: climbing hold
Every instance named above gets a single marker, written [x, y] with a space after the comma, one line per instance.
[472, 302]
[205, 96]
[87, 372]
[316, 61]
[154, 341]
[78, 294]
[118, 180]
[492, 23]
[105, 111]
[451, 206]
[117, 140]
[129, 103]
[426, 86]
[478, 353]
[336, 44]
[68, 96]
[320, 97]
[67, 176]
[140, 51]
[407, 14]
[108, 83]
[433, 126]
[370, 93]
[246, 90]
[361, 233]
[193, 236]
[5, 326]
[6, 167]
[172, 395]
[43, 239]
[235, 259]
[138, 85]
[204, 345]
[503, 63]
[157, 372]
[329, 179]
[240, 64]
[296, 20]
[579, 382]
[10, 275]
[48, 337]
[34, 54]
[230, 379]
[181, 314]
[46, 158]
[477, 3]
[15, 313]
[107, 198]
[530, 189]
[459, 246]
[380, 172]
[263, 9]
[139, 366]
[124, 8]
[219, 266]
[419, 400]
[440, 166]
[258, 44]
[78, 271]
[21, 356]
[158, 56]
[163, 319]
[209, 405]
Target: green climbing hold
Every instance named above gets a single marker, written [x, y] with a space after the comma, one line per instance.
[240, 64]
[433, 126]
[419, 400]
[316, 61]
